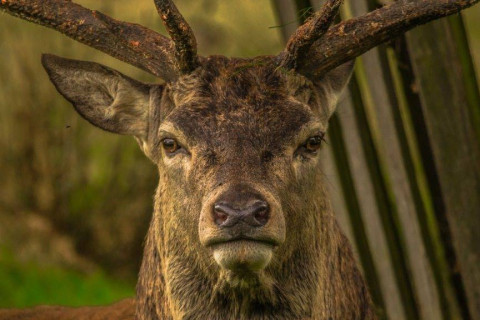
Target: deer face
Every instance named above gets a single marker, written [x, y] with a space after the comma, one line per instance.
[236, 143]
[232, 146]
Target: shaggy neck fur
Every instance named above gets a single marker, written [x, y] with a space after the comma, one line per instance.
[318, 279]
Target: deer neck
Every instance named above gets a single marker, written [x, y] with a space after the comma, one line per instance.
[319, 280]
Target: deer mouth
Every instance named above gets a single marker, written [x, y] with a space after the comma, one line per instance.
[242, 254]
[212, 243]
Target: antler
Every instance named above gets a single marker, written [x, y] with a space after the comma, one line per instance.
[182, 35]
[319, 53]
[304, 37]
[128, 42]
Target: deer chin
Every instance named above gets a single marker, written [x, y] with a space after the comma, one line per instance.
[243, 257]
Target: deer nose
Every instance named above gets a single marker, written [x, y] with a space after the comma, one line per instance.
[255, 214]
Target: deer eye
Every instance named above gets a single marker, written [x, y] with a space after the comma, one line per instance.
[310, 146]
[313, 143]
[170, 145]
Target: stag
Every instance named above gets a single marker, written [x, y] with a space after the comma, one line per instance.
[242, 226]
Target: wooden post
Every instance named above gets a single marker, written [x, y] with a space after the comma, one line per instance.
[450, 101]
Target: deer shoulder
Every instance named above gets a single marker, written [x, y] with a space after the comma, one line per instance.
[122, 310]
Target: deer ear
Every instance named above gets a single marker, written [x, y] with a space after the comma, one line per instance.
[104, 97]
[331, 86]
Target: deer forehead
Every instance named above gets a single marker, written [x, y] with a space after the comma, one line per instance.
[234, 100]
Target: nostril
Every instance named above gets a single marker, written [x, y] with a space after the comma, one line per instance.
[261, 214]
[219, 215]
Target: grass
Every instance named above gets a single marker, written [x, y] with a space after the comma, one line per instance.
[28, 284]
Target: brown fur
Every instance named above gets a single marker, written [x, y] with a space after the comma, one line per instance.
[242, 124]
[123, 310]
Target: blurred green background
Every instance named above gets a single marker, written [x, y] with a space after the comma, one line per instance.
[75, 202]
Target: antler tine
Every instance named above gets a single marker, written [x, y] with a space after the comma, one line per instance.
[128, 42]
[182, 35]
[304, 37]
[351, 38]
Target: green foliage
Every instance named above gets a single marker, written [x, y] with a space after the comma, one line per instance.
[28, 284]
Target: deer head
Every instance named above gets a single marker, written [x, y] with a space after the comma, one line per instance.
[242, 227]
[236, 143]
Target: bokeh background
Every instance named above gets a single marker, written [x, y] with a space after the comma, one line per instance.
[75, 201]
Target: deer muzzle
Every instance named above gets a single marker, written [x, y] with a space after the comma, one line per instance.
[242, 225]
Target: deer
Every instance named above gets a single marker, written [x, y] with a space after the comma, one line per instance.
[242, 226]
